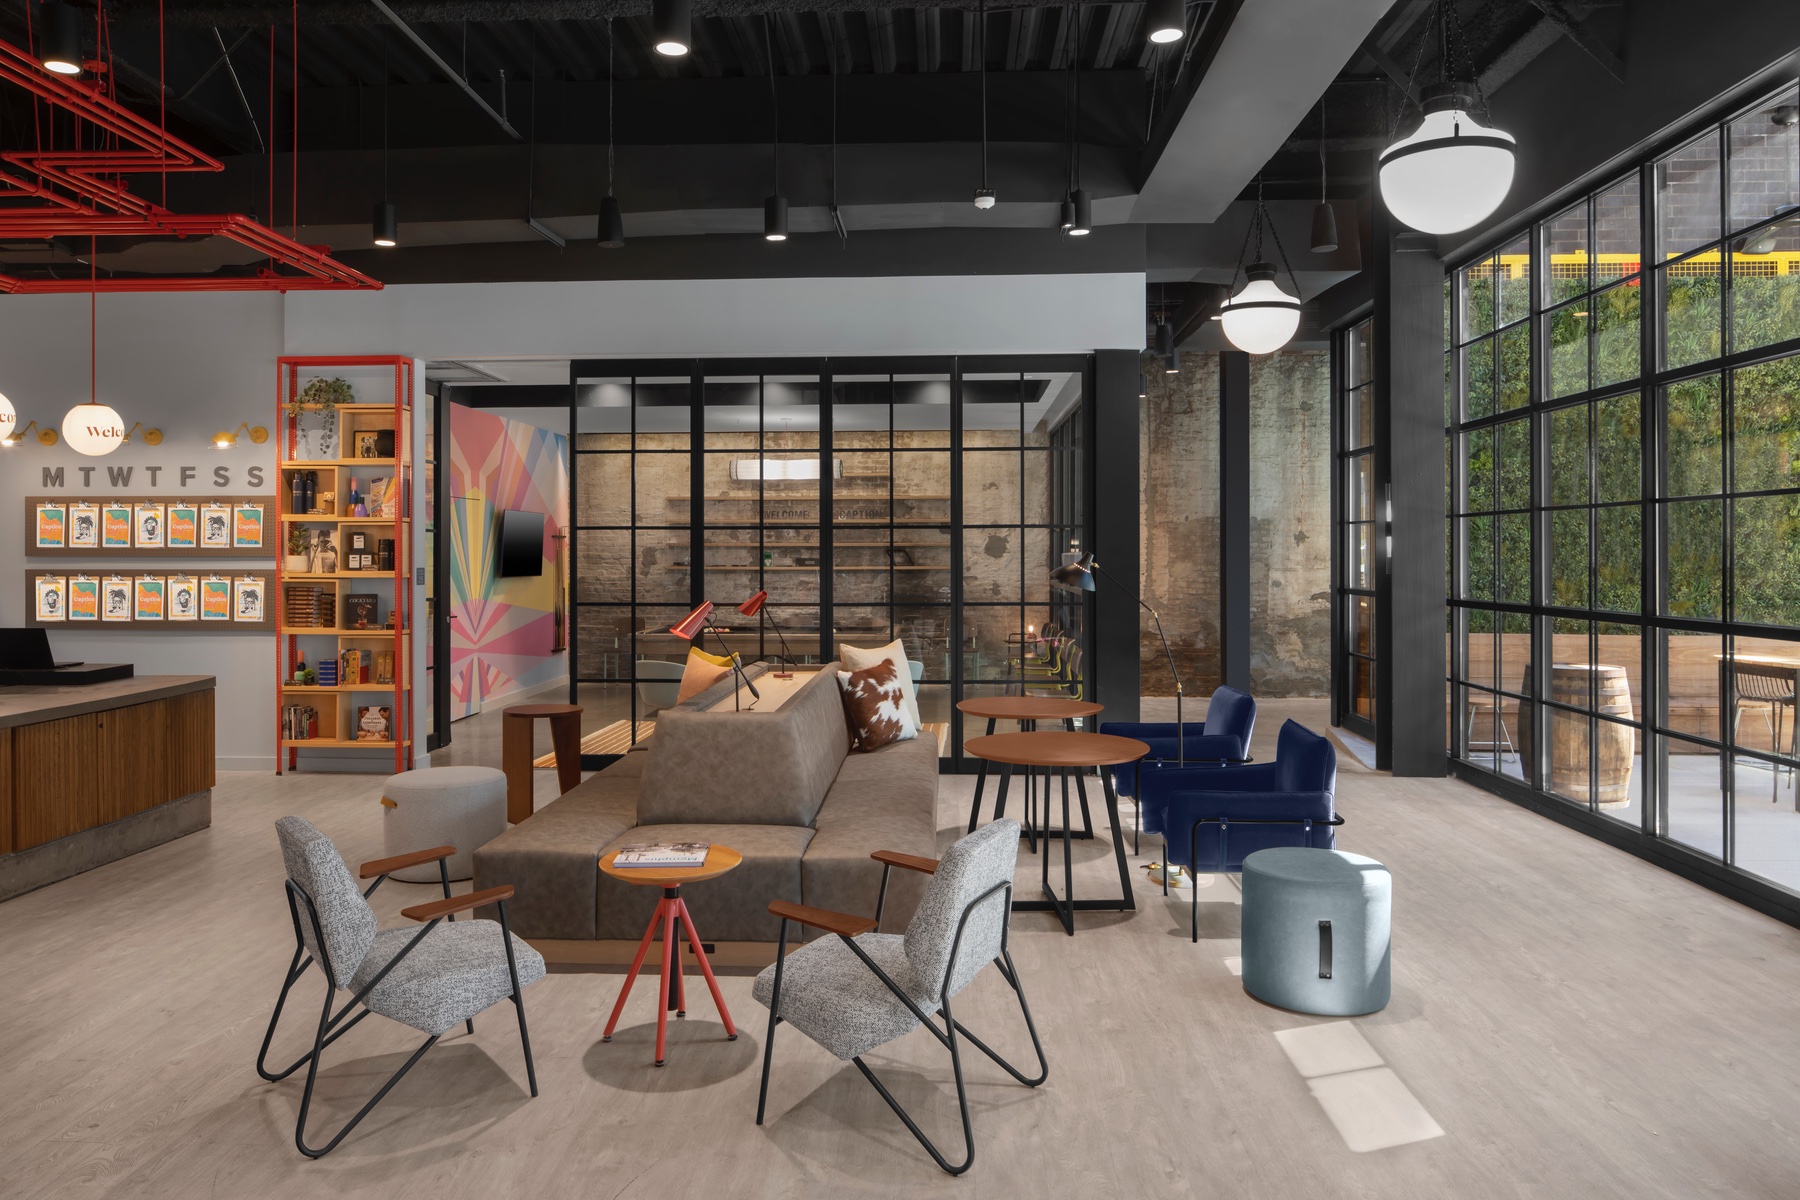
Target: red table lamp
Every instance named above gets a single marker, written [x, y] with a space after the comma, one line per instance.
[692, 625]
[751, 608]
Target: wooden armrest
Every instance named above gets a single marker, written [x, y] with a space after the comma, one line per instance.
[822, 918]
[386, 866]
[456, 904]
[911, 862]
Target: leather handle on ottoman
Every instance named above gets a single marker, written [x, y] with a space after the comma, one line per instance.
[1324, 949]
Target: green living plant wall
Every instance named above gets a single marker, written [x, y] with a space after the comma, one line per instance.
[1599, 465]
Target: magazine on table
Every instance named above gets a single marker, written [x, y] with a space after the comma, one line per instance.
[663, 854]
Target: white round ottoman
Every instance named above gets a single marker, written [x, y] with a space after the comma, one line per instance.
[463, 807]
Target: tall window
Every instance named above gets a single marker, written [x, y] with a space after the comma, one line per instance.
[1356, 580]
[1624, 434]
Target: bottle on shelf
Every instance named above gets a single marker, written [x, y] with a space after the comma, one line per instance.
[355, 502]
[297, 492]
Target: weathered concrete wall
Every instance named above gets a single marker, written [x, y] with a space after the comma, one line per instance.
[1290, 514]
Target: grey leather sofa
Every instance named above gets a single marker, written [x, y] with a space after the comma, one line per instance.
[780, 787]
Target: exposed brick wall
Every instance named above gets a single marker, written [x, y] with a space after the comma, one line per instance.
[1290, 515]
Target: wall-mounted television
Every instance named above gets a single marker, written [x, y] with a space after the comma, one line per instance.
[521, 543]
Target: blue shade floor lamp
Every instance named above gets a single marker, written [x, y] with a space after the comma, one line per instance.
[1078, 576]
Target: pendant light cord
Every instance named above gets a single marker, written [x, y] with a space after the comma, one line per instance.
[1075, 116]
[774, 104]
[1321, 149]
[609, 106]
[981, 40]
[386, 195]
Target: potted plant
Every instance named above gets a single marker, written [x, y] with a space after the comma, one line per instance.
[299, 548]
[321, 394]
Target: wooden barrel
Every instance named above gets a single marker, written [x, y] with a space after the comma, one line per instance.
[1569, 683]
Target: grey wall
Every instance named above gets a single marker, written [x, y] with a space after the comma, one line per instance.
[191, 365]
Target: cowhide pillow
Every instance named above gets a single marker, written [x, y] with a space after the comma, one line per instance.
[875, 705]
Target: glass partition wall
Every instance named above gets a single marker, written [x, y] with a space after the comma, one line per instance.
[1624, 508]
[923, 500]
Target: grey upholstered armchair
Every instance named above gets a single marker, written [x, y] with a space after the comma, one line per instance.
[432, 978]
[861, 989]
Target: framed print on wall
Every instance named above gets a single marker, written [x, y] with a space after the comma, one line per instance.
[52, 598]
[184, 598]
[115, 527]
[147, 525]
[115, 599]
[215, 598]
[247, 526]
[84, 526]
[84, 598]
[52, 526]
[183, 531]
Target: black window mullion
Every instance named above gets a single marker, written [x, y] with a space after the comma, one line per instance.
[826, 511]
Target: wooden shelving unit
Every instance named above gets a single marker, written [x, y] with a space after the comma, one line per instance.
[337, 705]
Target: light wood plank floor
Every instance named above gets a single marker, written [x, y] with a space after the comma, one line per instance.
[1577, 1022]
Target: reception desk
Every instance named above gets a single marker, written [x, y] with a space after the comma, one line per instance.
[89, 774]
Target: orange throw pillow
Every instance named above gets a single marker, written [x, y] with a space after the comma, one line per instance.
[875, 705]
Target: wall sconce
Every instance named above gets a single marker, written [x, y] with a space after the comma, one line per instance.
[225, 441]
[152, 437]
[45, 437]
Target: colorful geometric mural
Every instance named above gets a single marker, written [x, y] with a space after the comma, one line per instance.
[503, 631]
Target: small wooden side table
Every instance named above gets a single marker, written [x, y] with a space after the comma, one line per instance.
[515, 751]
[1028, 711]
[1064, 753]
[670, 909]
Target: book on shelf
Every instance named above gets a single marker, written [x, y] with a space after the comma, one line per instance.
[663, 854]
[362, 611]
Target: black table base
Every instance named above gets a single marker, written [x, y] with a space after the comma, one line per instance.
[1066, 907]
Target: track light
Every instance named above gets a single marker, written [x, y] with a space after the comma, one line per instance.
[775, 219]
[611, 231]
[1165, 20]
[61, 39]
[1324, 229]
[672, 25]
[1084, 214]
[385, 225]
[612, 223]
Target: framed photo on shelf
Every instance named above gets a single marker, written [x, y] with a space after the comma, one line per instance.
[247, 527]
[84, 598]
[84, 526]
[374, 723]
[375, 443]
[247, 594]
[215, 598]
[52, 598]
[147, 526]
[183, 532]
[184, 598]
[52, 526]
[150, 594]
[215, 527]
[115, 527]
[116, 599]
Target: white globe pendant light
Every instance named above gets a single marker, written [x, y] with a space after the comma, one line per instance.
[93, 429]
[9, 420]
[1452, 172]
[1261, 318]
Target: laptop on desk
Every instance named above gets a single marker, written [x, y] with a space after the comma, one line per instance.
[28, 650]
[25, 658]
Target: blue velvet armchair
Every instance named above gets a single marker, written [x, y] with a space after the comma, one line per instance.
[1210, 819]
[1220, 740]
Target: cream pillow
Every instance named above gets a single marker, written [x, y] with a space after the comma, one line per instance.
[894, 652]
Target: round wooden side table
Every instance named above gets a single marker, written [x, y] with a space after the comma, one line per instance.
[1028, 711]
[672, 992]
[516, 724]
[1066, 753]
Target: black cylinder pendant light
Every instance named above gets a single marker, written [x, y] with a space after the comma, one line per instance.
[611, 230]
[672, 26]
[60, 40]
[775, 218]
[1165, 20]
[384, 223]
[775, 208]
[1324, 221]
[1165, 339]
[1084, 213]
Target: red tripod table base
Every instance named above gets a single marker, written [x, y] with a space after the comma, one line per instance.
[671, 910]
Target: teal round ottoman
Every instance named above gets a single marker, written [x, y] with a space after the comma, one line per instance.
[1316, 930]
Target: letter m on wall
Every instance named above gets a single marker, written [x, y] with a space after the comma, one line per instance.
[53, 477]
